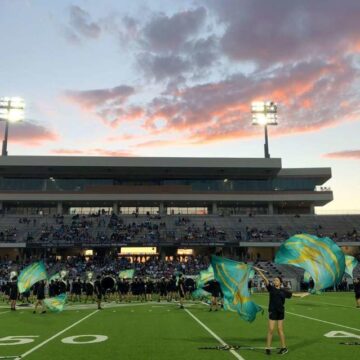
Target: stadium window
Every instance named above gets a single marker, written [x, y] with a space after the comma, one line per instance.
[138, 251]
[185, 252]
[187, 210]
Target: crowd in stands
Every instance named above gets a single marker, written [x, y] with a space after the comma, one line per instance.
[151, 229]
[78, 266]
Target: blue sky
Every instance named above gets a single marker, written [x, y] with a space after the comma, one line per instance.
[176, 78]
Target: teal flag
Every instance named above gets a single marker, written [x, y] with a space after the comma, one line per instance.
[31, 275]
[126, 274]
[307, 277]
[350, 264]
[251, 274]
[56, 304]
[205, 276]
[233, 277]
[321, 258]
[202, 279]
[200, 293]
[55, 277]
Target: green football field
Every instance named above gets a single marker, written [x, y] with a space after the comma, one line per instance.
[159, 331]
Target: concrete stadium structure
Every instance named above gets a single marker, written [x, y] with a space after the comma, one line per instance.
[50, 185]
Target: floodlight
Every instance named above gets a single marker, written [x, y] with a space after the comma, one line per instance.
[11, 111]
[264, 113]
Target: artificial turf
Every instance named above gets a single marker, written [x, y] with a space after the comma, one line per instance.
[159, 331]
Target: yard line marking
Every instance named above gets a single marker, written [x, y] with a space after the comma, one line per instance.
[320, 302]
[344, 306]
[56, 335]
[323, 321]
[221, 341]
[4, 312]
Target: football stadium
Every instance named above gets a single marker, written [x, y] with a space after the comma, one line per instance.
[133, 227]
[142, 213]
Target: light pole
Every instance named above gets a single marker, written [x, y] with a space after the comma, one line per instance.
[11, 111]
[264, 113]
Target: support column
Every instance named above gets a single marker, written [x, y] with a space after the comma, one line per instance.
[59, 208]
[312, 209]
[270, 208]
[162, 209]
[115, 208]
[214, 210]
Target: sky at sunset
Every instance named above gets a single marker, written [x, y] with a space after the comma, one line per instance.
[176, 78]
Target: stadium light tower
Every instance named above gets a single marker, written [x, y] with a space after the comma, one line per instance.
[264, 113]
[11, 111]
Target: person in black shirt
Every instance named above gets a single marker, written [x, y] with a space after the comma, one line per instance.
[276, 310]
[162, 287]
[98, 291]
[13, 293]
[89, 291]
[40, 295]
[357, 292]
[213, 287]
[181, 288]
[149, 285]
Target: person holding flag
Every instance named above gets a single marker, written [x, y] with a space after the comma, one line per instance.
[40, 295]
[277, 298]
[213, 287]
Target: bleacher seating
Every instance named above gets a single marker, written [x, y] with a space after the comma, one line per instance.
[176, 229]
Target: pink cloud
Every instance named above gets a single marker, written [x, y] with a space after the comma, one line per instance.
[273, 31]
[91, 99]
[31, 134]
[107, 104]
[346, 154]
[92, 152]
[312, 95]
[158, 143]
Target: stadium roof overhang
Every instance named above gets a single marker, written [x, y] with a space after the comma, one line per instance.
[138, 167]
[319, 175]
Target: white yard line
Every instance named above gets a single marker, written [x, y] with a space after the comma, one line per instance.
[314, 319]
[221, 341]
[337, 305]
[323, 321]
[56, 335]
[4, 312]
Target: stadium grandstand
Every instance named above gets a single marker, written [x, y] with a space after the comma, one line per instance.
[162, 210]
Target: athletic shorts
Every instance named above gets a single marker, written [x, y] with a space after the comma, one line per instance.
[99, 296]
[276, 315]
[181, 294]
[357, 296]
